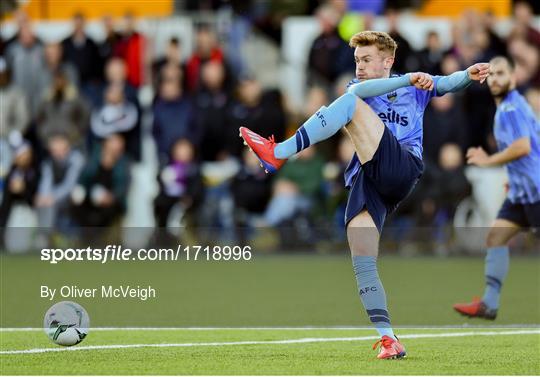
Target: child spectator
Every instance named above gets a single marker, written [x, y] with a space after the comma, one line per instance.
[180, 183]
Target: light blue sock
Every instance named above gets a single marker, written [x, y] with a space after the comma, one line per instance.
[372, 293]
[497, 261]
[320, 126]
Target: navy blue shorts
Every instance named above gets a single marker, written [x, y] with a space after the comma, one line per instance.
[384, 181]
[524, 215]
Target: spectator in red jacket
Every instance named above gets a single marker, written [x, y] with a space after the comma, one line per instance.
[131, 49]
[206, 49]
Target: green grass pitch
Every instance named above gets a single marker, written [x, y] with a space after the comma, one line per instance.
[279, 292]
[325, 352]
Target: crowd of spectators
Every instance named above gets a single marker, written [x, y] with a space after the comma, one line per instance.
[72, 125]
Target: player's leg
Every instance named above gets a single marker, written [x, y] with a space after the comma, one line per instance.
[365, 131]
[363, 237]
[497, 260]
[320, 126]
[496, 268]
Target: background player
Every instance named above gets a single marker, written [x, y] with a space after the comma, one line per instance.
[386, 130]
[517, 133]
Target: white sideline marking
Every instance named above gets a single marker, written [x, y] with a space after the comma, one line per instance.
[256, 342]
[289, 328]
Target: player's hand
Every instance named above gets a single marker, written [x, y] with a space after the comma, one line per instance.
[478, 72]
[477, 156]
[422, 80]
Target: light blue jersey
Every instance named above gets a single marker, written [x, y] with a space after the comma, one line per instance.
[402, 111]
[514, 120]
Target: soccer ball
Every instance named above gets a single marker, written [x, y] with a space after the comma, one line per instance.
[66, 323]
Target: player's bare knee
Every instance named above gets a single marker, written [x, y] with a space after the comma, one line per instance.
[494, 239]
[363, 241]
[363, 235]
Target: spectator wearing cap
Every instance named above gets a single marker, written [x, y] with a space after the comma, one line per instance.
[21, 181]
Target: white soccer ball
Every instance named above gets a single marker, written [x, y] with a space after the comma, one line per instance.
[66, 323]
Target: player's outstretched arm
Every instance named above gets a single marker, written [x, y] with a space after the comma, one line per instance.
[461, 79]
[377, 87]
[519, 148]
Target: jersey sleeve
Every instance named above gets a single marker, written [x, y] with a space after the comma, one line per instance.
[515, 123]
[352, 82]
[424, 96]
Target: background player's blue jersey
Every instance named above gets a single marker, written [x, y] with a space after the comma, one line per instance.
[514, 120]
[402, 111]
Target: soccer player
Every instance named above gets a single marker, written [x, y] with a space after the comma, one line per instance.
[518, 139]
[383, 117]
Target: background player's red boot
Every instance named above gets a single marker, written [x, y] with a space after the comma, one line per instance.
[476, 308]
[389, 348]
[263, 149]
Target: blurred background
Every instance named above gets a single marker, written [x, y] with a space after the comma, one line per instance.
[124, 118]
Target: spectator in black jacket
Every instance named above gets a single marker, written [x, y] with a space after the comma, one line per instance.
[82, 52]
[261, 111]
[211, 102]
[444, 122]
[21, 182]
[405, 60]
[430, 57]
[251, 188]
[329, 56]
[112, 38]
[172, 57]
